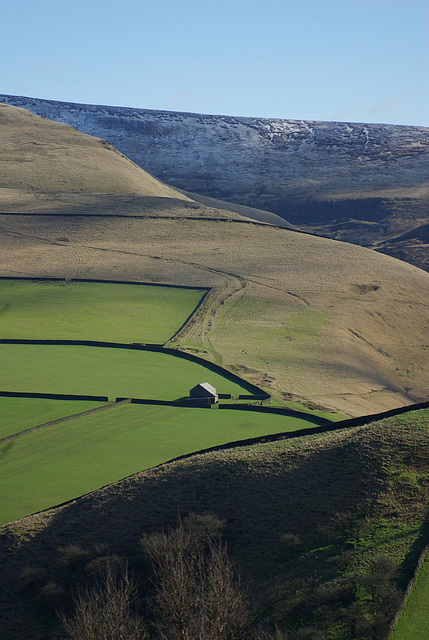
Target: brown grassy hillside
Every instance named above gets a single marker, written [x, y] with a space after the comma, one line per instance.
[306, 318]
[392, 221]
[338, 325]
[39, 155]
[348, 497]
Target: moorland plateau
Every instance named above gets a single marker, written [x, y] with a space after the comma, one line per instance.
[326, 529]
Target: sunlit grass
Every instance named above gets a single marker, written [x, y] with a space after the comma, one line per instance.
[31, 309]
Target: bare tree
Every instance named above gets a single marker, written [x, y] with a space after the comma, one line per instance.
[106, 611]
[197, 594]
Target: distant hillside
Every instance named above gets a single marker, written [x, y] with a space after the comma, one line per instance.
[250, 212]
[324, 529]
[411, 246]
[360, 183]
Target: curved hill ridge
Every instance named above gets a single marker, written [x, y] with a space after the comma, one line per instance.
[38, 154]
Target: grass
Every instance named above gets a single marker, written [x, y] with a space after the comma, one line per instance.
[414, 621]
[61, 462]
[18, 414]
[38, 309]
[278, 324]
[76, 369]
[273, 336]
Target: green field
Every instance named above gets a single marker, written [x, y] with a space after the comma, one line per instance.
[17, 414]
[60, 462]
[55, 310]
[63, 461]
[414, 622]
[75, 369]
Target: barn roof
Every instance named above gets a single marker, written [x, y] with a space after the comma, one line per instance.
[207, 387]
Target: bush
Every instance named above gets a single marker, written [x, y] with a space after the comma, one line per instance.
[30, 576]
[51, 596]
[71, 555]
[99, 566]
[291, 540]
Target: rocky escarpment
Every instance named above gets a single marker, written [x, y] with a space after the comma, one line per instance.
[374, 177]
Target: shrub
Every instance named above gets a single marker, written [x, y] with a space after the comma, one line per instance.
[51, 595]
[99, 566]
[30, 576]
[71, 555]
[291, 540]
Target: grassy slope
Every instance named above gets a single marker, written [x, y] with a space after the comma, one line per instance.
[250, 212]
[368, 354]
[349, 496]
[414, 622]
[37, 154]
[93, 311]
[61, 462]
[18, 414]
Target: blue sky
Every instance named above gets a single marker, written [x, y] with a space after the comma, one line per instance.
[346, 60]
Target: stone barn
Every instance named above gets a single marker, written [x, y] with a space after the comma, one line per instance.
[205, 392]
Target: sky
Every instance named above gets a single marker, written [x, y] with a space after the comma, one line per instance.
[335, 60]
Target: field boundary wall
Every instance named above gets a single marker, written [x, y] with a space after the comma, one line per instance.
[283, 411]
[164, 403]
[254, 221]
[191, 316]
[52, 396]
[96, 280]
[410, 588]
[327, 428]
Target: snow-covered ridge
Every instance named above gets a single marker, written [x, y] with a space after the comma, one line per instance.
[278, 165]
